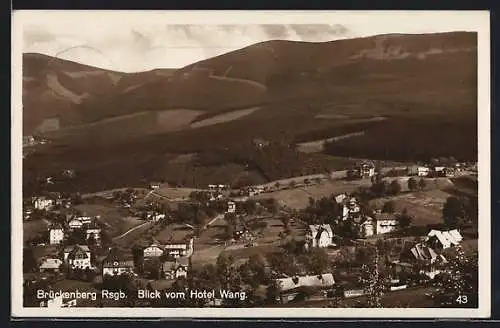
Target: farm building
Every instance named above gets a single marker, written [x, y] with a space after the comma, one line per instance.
[416, 170]
[289, 288]
[443, 239]
[319, 236]
[115, 264]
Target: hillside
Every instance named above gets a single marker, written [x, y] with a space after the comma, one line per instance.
[420, 85]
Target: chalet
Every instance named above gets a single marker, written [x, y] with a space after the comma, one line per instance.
[319, 236]
[289, 288]
[75, 223]
[179, 249]
[416, 170]
[350, 208]
[386, 223]
[231, 207]
[367, 228]
[154, 216]
[93, 231]
[115, 264]
[364, 170]
[56, 234]
[78, 257]
[153, 250]
[177, 268]
[43, 203]
[443, 239]
[50, 264]
[154, 185]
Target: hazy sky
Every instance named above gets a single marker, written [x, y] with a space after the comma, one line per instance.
[138, 41]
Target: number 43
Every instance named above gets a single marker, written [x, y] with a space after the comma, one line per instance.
[462, 299]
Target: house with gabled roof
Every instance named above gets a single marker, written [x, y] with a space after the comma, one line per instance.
[444, 239]
[288, 288]
[50, 264]
[176, 268]
[116, 264]
[155, 249]
[56, 234]
[319, 235]
[78, 257]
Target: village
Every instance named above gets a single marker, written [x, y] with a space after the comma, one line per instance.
[369, 236]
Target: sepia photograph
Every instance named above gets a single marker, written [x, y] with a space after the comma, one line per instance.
[251, 164]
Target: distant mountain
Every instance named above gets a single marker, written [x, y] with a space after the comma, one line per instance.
[436, 70]
[405, 97]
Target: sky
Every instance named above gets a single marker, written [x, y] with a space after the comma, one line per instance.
[140, 41]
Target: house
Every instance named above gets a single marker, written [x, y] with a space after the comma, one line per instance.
[51, 264]
[28, 141]
[350, 208]
[319, 236]
[175, 269]
[115, 264]
[78, 257]
[366, 170]
[93, 231]
[443, 239]
[367, 228]
[386, 223]
[56, 234]
[43, 203]
[340, 198]
[154, 185]
[58, 302]
[154, 216]
[288, 288]
[431, 260]
[416, 170]
[179, 249]
[153, 250]
[231, 207]
[75, 223]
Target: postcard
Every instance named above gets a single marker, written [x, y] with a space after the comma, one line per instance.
[251, 164]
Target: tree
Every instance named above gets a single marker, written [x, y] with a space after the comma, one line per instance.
[29, 260]
[404, 219]
[374, 282]
[138, 257]
[388, 207]
[277, 185]
[412, 184]
[379, 188]
[292, 184]
[225, 270]
[453, 212]
[229, 232]
[422, 184]
[394, 187]
[250, 206]
[320, 261]
[307, 181]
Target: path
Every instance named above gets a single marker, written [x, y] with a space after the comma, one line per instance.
[217, 217]
[130, 230]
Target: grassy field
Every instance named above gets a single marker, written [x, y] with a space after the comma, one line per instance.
[34, 229]
[299, 197]
[116, 220]
[425, 206]
[173, 231]
[209, 244]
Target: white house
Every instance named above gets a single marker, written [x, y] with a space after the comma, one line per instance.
[78, 257]
[366, 170]
[153, 250]
[417, 170]
[56, 234]
[350, 208]
[367, 228]
[115, 264]
[386, 224]
[75, 223]
[175, 269]
[319, 236]
[231, 207]
[93, 231]
[43, 203]
[286, 286]
[179, 249]
[51, 264]
[443, 239]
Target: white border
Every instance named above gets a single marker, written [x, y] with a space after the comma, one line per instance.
[473, 20]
